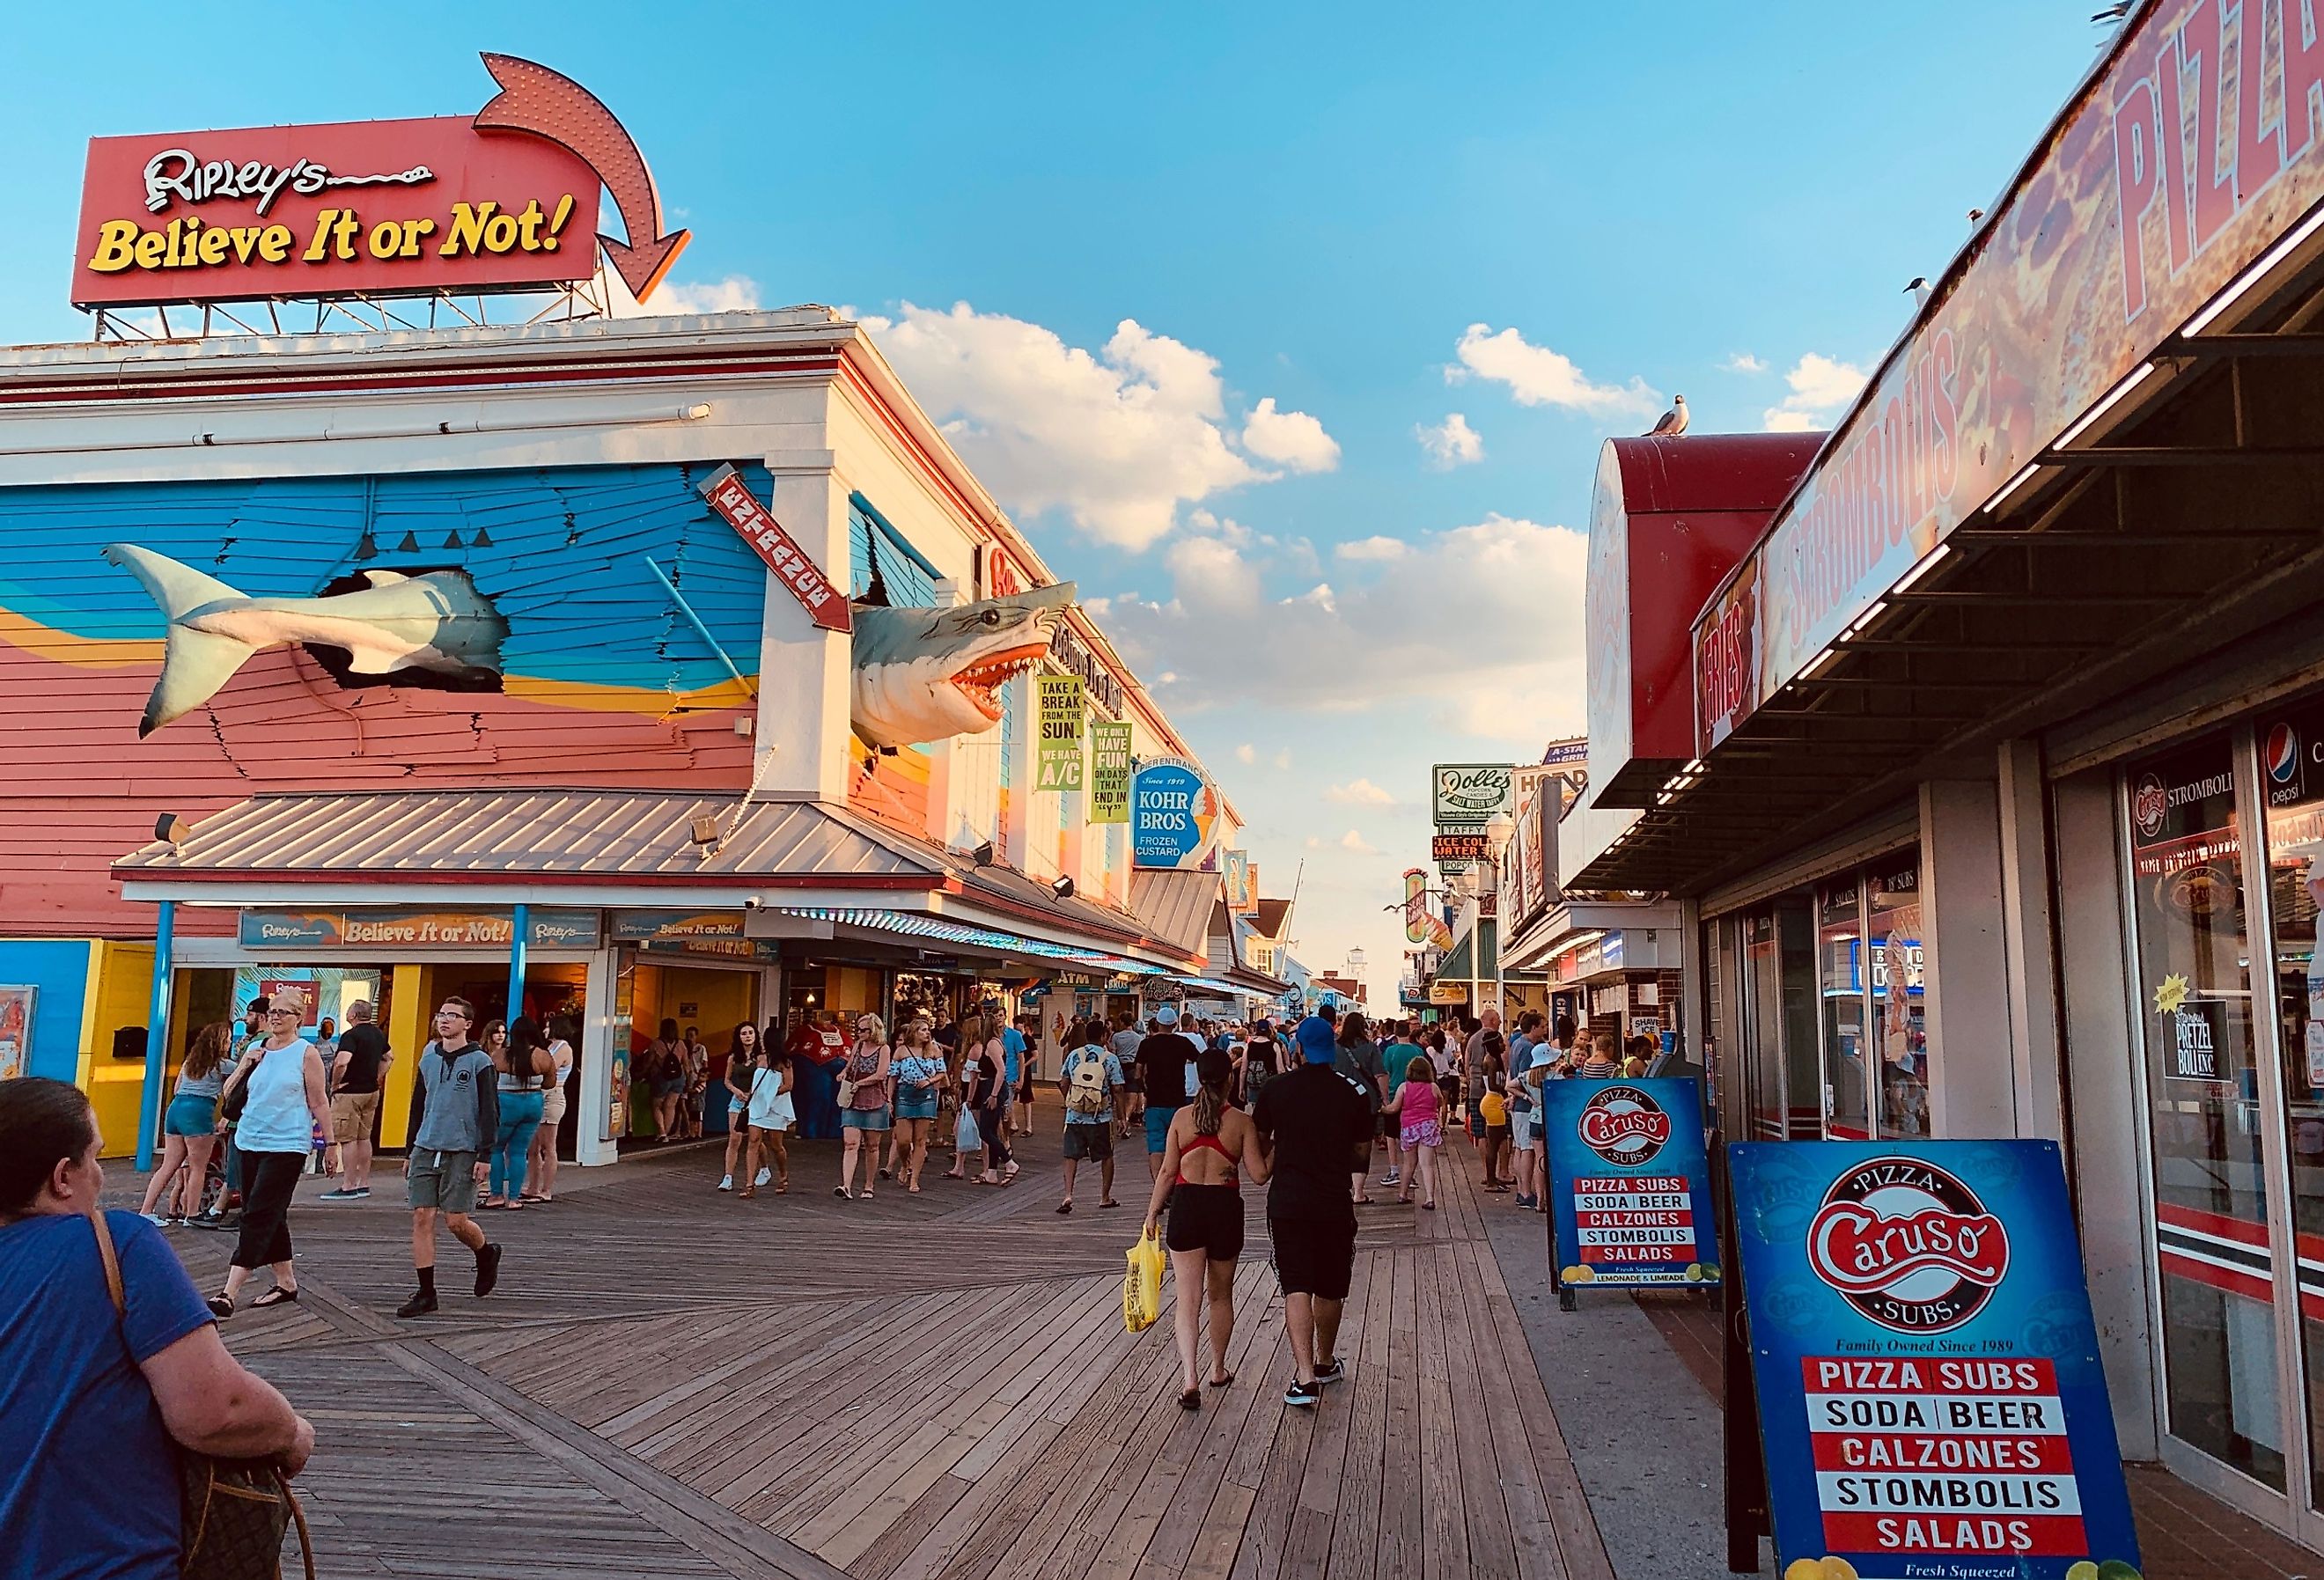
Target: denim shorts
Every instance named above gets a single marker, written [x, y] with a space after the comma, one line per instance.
[189, 1116]
[864, 1118]
[916, 1107]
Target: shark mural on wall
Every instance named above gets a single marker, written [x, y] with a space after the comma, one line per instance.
[434, 621]
[919, 675]
[927, 674]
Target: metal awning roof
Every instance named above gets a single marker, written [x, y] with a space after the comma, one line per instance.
[1175, 906]
[913, 924]
[1209, 985]
[562, 839]
[543, 832]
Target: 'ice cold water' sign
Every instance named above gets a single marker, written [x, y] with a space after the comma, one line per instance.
[1931, 1402]
[1629, 1182]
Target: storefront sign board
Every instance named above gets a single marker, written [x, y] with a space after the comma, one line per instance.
[1457, 847]
[1629, 1183]
[1416, 905]
[1057, 762]
[1174, 811]
[1930, 1394]
[2174, 168]
[1472, 792]
[1109, 772]
[412, 927]
[740, 508]
[1238, 881]
[385, 207]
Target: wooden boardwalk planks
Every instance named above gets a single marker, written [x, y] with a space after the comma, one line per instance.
[939, 1388]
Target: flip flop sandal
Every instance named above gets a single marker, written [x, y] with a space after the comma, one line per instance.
[1225, 1381]
[221, 1306]
[277, 1296]
[1192, 1399]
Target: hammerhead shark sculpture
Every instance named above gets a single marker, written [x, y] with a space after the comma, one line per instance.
[436, 621]
[927, 674]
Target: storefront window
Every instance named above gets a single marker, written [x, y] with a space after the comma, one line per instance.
[2291, 777]
[2195, 1002]
[1898, 976]
[1763, 1034]
[1841, 955]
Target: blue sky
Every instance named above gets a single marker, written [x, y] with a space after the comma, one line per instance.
[1303, 205]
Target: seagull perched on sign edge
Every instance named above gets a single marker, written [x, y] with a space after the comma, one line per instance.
[1674, 422]
[1919, 287]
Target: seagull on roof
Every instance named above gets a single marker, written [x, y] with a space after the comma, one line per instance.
[1919, 286]
[1674, 422]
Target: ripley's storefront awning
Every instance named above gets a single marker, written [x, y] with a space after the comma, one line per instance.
[793, 867]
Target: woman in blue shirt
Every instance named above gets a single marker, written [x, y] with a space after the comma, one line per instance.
[89, 1437]
[919, 1073]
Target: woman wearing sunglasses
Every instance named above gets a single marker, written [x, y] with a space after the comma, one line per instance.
[865, 1110]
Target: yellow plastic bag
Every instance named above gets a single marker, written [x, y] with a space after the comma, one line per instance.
[1141, 1284]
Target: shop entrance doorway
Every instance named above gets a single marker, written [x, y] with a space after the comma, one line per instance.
[2229, 1000]
[696, 1007]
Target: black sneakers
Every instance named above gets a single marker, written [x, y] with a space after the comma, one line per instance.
[419, 1304]
[1303, 1395]
[1332, 1371]
[488, 1269]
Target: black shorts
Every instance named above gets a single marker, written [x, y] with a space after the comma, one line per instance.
[1207, 1218]
[1091, 1143]
[1314, 1256]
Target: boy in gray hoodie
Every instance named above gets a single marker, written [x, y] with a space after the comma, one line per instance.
[454, 1118]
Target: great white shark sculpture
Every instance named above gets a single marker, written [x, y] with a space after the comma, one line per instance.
[435, 621]
[928, 674]
[919, 675]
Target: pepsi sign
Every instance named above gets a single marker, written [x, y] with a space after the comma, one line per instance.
[1930, 1396]
[2291, 756]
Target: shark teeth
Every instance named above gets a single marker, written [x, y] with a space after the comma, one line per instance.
[982, 682]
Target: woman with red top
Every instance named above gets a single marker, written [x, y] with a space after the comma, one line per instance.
[1209, 1143]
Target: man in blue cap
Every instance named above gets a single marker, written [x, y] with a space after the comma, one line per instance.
[1311, 1120]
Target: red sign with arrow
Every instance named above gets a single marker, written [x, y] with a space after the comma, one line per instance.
[506, 200]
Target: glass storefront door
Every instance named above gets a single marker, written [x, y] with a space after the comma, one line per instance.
[2290, 775]
[1841, 960]
[2208, 1114]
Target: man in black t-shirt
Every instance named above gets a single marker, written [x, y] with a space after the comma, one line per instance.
[1310, 1121]
[1163, 1061]
[355, 1077]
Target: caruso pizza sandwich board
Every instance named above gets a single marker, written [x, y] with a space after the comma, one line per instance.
[1629, 1184]
[1931, 1402]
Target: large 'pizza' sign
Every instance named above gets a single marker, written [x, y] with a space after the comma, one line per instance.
[2178, 164]
[502, 200]
[1629, 1183]
[1930, 1394]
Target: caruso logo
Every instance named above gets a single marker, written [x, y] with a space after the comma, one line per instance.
[1908, 1245]
[2148, 804]
[1624, 1126]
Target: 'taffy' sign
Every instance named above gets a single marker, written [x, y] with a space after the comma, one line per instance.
[1931, 1402]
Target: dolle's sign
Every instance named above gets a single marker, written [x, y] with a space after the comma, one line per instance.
[1929, 1397]
[504, 199]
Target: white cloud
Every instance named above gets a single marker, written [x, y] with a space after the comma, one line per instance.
[735, 293]
[1451, 443]
[1212, 571]
[1744, 362]
[1314, 843]
[1352, 647]
[1360, 792]
[1246, 753]
[1353, 841]
[1289, 439]
[1820, 387]
[1118, 439]
[1539, 376]
[1283, 758]
[1362, 549]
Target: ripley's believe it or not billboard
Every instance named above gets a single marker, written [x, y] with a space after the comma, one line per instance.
[1932, 1404]
[504, 199]
[2198, 145]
